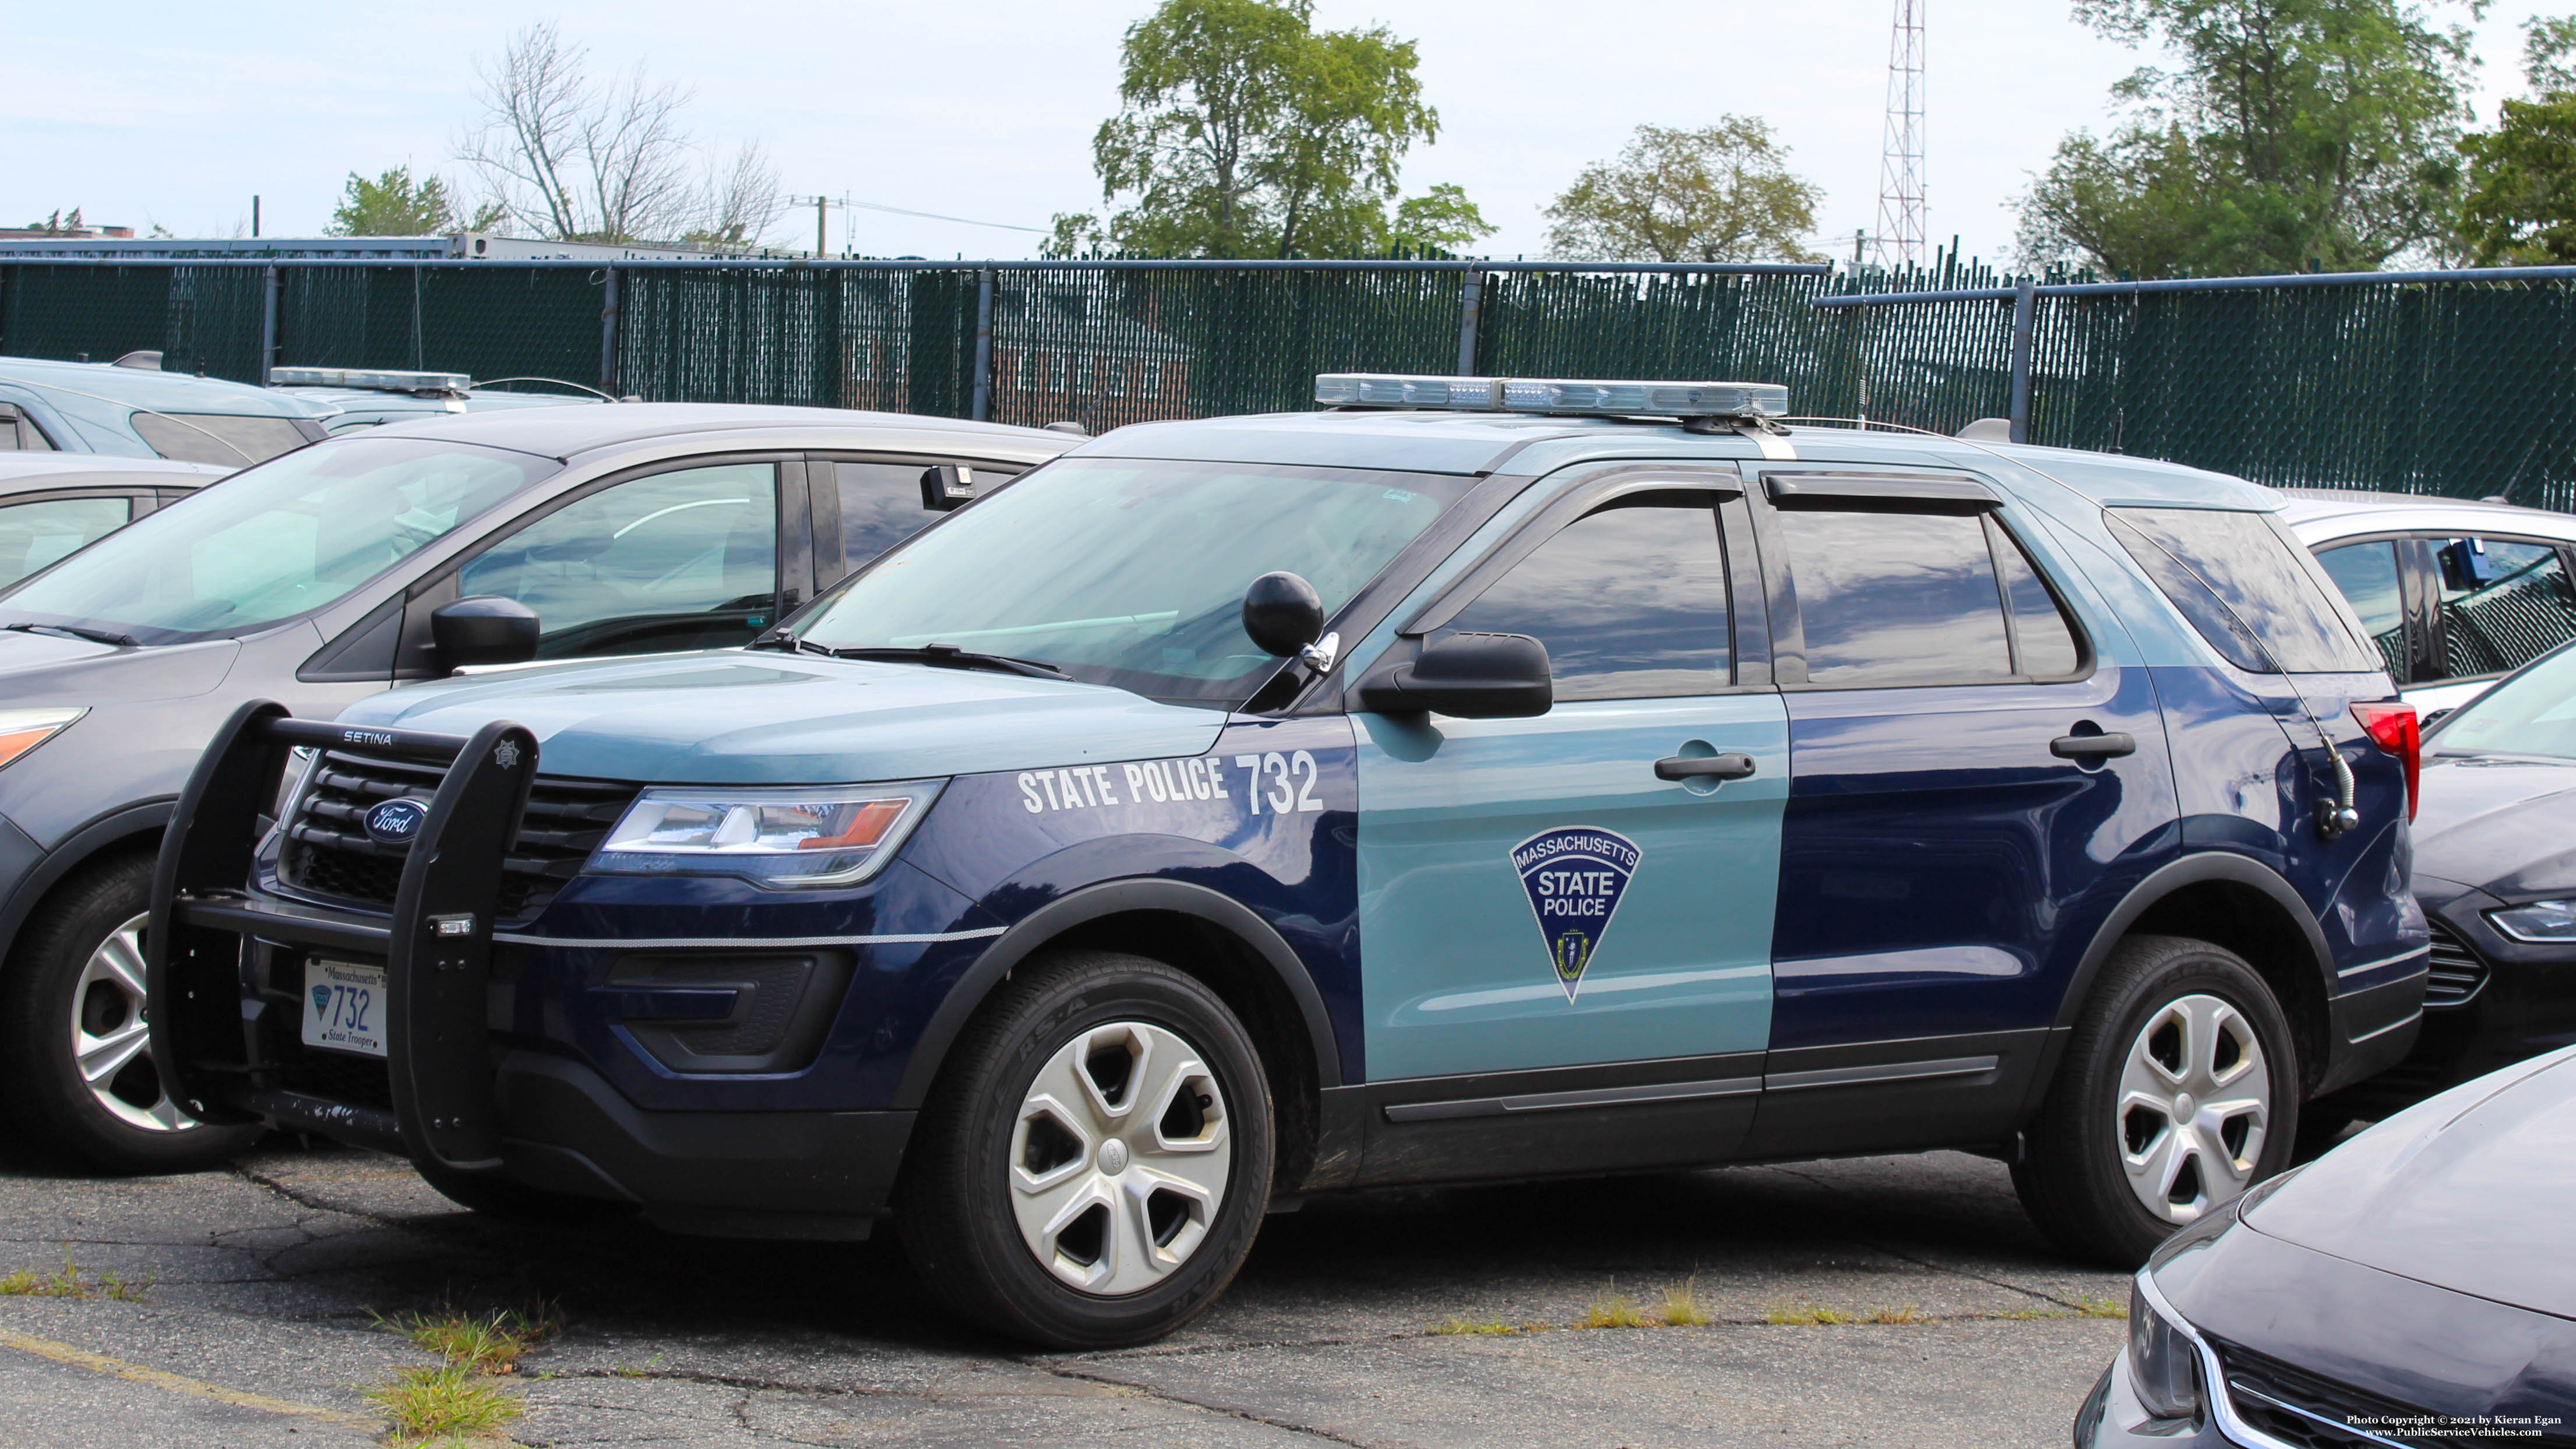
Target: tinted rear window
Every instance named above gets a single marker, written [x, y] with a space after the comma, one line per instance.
[235, 442]
[2241, 582]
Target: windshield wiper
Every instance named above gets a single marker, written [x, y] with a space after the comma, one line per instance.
[75, 631]
[942, 656]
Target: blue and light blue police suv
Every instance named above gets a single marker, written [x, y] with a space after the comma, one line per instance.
[1477, 780]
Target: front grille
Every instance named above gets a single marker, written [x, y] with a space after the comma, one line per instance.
[2268, 1393]
[338, 1077]
[328, 852]
[2458, 970]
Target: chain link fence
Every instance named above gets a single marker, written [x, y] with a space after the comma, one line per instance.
[2452, 383]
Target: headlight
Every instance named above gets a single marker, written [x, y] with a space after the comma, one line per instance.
[793, 837]
[22, 730]
[2545, 922]
[2163, 1354]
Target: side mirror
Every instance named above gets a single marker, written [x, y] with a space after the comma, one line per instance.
[485, 629]
[1283, 614]
[947, 486]
[1470, 676]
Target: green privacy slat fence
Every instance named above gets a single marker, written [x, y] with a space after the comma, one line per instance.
[2461, 384]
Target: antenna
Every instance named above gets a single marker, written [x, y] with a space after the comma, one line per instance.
[1901, 206]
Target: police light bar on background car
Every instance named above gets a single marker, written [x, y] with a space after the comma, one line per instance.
[1564, 396]
[370, 379]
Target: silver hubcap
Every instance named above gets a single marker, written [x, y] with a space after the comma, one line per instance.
[1119, 1158]
[111, 1034]
[2195, 1104]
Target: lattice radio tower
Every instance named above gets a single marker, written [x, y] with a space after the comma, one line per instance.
[1901, 222]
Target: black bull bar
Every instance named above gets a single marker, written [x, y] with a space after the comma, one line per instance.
[212, 942]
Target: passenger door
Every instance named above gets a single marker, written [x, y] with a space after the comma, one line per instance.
[1975, 780]
[1572, 946]
[684, 557]
[2497, 604]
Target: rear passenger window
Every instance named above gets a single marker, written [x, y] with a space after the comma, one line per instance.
[2503, 604]
[2367, 574]
[2240, 582]
[1896, 598]
[2043, 643]
[1630, 601]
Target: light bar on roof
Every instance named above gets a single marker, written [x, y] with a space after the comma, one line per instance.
[370, 379]
[1562, 396]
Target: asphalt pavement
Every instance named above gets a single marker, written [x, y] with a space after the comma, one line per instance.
[1880, 1301]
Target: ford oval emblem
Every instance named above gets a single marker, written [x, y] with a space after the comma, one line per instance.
[395, 822]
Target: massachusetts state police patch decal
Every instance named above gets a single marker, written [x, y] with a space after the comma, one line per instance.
[1574, 877]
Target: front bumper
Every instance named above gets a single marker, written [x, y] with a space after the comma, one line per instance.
[451, 1093]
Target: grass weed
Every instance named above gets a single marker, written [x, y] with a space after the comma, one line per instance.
[74, 1281]
[2089, 1307]
[1454, 1326]
[1682, 1308]
[485, 1343]
[1612, 1310]
[436, 1405]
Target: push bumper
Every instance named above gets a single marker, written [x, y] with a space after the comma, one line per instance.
[225, 962]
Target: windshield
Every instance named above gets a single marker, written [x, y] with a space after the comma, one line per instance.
[2533, 713]
[274, 541]
[1132, 573]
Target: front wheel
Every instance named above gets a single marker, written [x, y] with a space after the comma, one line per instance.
[76, 1071]
[2179, 1090]
[1095, 1157]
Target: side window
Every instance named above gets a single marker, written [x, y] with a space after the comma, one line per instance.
[1901, 598]
[2043, 642]
[222, 438]
[684, 560]
[2239, 580]
[2367, 574]
[19, 433]
[880, 507]
[2502, 603]
[33, 535]
[1630, 601]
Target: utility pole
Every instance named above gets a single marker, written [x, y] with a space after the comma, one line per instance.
[254, 217]
[1901, 204]
[822, 215]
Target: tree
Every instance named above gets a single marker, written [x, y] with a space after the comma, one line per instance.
[1723, 193]
[1242, 132]
[573, 159]
[2521, 203]
[396, 205]
[2293, 132]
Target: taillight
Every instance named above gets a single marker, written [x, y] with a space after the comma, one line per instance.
[2394, 728]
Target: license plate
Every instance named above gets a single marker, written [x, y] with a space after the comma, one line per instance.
[344, 1006]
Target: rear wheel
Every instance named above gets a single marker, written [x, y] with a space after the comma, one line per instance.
[2178, 1091]
[1095, 1158]
[76, 1071]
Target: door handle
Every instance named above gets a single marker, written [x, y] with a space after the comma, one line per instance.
[1704, 767]
[2092, 747]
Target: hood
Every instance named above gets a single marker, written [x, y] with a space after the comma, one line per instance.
[50, 669]
[735, 717]
[2503, 824]
[2473, 1191]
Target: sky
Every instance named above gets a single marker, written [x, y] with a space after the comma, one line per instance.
[148, 112]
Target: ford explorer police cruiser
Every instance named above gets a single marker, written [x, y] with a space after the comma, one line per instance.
[1482, 779]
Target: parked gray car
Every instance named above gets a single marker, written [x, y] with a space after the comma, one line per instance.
[54, 504]
[132, 408]
[396, 553]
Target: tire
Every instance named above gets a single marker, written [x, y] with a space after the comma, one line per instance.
[72, 994]
[1111, 1218]
[2126, 1150]
[513, 1202]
